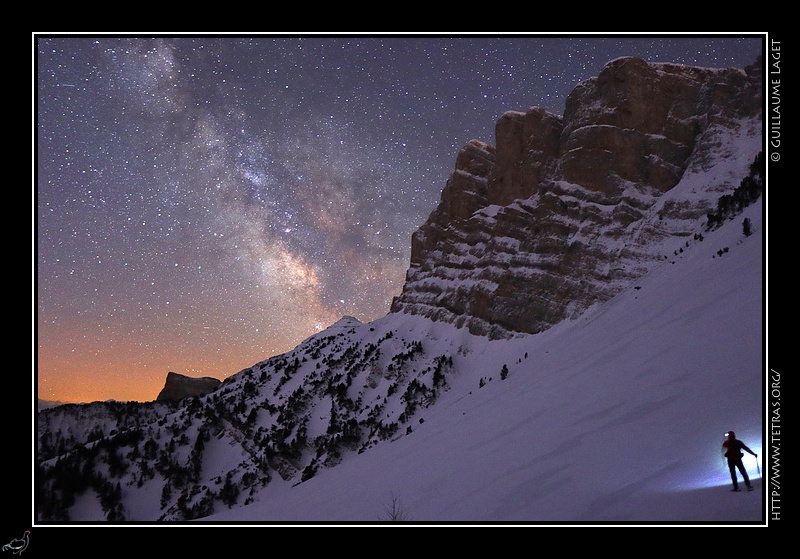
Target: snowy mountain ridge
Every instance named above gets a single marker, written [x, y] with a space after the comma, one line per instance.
[615, 417]
[615, 414]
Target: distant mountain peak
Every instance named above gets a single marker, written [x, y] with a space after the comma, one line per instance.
[177, 387]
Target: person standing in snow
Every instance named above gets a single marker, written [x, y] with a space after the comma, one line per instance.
[733, 452]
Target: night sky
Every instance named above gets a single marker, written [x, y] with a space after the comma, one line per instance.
[203, 203]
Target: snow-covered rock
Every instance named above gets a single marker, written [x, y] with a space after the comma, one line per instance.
[566, 211]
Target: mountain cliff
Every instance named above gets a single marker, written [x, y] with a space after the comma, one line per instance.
[177, 387]
[564, 211]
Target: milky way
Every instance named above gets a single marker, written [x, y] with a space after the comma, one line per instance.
[203, 203]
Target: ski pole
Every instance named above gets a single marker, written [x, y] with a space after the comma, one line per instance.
[757, 467]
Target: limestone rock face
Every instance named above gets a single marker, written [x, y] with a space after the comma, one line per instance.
[465, 191]
[564, 211]
[178, 387]
[528, 146]
[639, 123]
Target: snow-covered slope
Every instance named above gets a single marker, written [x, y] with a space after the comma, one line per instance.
[616, 416]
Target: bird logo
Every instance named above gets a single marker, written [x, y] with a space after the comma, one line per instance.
[17, 546]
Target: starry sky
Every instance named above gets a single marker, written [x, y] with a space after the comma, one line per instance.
[206, 202]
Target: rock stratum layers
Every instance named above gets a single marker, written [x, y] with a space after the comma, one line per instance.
[564, 211]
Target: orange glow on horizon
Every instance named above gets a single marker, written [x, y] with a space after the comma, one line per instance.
[126, 373]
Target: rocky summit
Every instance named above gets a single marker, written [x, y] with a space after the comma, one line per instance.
[564, 211]
[177, 387]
